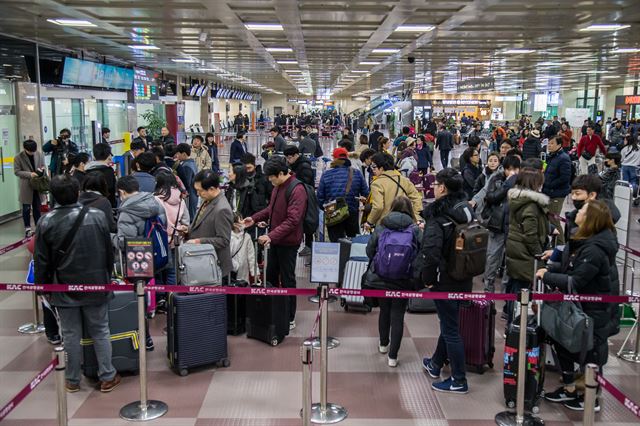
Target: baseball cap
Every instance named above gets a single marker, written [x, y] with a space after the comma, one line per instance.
[340, 153]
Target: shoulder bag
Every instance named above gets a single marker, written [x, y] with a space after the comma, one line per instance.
[337, 211]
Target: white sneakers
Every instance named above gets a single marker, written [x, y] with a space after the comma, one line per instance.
[392, 362]
[383, 349]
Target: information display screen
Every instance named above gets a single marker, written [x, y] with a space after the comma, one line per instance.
[86, 73]
[145, 84]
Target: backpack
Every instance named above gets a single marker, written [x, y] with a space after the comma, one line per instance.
[468, 251]
[395, 254]
[311, 218]
[155, 229]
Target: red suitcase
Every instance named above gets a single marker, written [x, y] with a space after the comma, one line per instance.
[477, 322]
[427, 183]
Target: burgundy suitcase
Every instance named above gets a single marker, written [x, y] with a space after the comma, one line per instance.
[427, 184]
[477, 328]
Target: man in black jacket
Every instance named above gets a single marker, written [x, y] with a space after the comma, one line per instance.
[102, 156]
[557, 181]
[303, 171]
[262, 186]
[444, 142]
[87, 259]
[374, 136]
[143, 137]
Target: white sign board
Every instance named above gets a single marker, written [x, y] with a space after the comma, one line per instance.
[325, 260]
[576, 116]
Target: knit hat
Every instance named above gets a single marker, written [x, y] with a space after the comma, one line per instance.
[340, 153]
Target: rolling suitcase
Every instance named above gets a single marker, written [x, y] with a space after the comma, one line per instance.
[354, 271]
[236, 310]
[123, 324]
[196, 331]
[477, 322]
[421, 306]
[345, 250]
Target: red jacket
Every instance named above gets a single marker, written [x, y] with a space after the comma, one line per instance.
[285, 217]
[591, 145]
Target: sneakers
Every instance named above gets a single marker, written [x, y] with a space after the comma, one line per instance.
[149, 344]
[383, 349]
[433, 372]
[306, 251]
[71, 388]
[450, 386]
[561, 395]
[54, 340]
[577, 404]
[111, 384]
[292, 325]
[28, 233]
[393, 363]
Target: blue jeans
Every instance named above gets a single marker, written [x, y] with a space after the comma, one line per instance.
[630, 174]
[96, 318]
[450, 344]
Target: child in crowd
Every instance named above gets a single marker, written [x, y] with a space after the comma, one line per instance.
[243, 256]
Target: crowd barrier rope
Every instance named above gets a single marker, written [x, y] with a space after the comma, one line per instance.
[630, 405]
[13, 246]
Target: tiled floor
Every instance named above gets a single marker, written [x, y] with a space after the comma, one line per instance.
[262, 387]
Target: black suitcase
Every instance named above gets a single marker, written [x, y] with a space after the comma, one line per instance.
[236, 310]
[196, 331]
[123, 325]
[267, 318]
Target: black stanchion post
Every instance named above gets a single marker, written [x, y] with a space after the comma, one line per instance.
[509, 418]
[143, 410]
[591, 386]
[61, 392]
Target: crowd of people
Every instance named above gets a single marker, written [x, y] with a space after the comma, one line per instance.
[514, 180]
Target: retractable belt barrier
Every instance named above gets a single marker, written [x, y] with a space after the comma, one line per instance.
[16, 400]
[14, 246]
[630, 405]
[276, 291]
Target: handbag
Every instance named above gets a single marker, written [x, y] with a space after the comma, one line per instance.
[337, 211]
[567, 324]
[586, 155]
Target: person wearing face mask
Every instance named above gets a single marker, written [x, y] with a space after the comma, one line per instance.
[610, 175]
[27, 165]
[60, 149]
[557, 181]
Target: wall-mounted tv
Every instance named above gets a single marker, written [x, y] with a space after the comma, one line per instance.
[86, 73]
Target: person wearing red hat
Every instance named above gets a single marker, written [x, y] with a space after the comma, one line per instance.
[343, 182]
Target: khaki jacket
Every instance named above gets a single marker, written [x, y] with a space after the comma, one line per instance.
[386, 188]
[202, 158]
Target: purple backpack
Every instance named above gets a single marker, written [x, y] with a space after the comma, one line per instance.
[395, 254]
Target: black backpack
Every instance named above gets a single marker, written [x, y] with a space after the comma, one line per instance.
[311, 218]
[468, 251]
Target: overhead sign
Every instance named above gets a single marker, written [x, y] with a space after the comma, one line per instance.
[325, 261]
[461, 102]
[475, 84]
[628, 100]
[145, 84]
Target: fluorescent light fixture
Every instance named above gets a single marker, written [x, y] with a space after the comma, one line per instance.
[548, 64]
[598, 72]
[385, 50]
[473, 63]
[518, 51]
[626, 50]
[609, 76]
[360, 71]
[71, 22]
[369, 63]
[207, 69]
[415, 28]
[293, 71]
[290, 62]
[605, 27]
[143, 47]
[184, 60]
[279, 49]
[264, 27]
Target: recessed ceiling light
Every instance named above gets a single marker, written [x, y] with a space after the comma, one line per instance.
[290, 62]
[184, 60]
[293, 71]
[385, 50]
[369, 63]
[264, 27]
[360, 71]
[71, 22]
[518, 51]
[605, 27]
[626, 50]
[473, 63]
[548, 64]
[143, 47]
[279, 49]
[207, 69]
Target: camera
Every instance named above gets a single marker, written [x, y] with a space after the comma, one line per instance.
[411, 59]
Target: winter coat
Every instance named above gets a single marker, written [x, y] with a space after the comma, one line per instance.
[444, 140]
[630, 157]
[470, 174]
[285, 216]
[408, 165]
[394, 221]
[386, 188]
[22, 169]
[88, 260]
[589, 266]
[609, 177]
[167, 139]
[571, 227]
[212, 225]
[373, 140]
[236, 150]
[424, 157]
[260, 189]
[57, 153]
[438, 240]
[333, 184]
[557, 175]
[307, 146]
[616, 136]
[98, 201]
[109, 174]
[280, 144]
[591, 145]
[133, 213]
[176, 212]
[201, 157]
[531, 148]
[146, 181]
[493, 212]
[528, 229]
[243, 255]
[482, 179]
[303, 170]
[186, 171]
[213, 154]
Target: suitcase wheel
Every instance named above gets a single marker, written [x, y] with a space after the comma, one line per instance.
[535, 409]
[274, 341]
[183, 372]
[511, 404]
[223, 363]
[343, 304]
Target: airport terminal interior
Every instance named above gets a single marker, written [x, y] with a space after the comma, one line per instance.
[487, 72]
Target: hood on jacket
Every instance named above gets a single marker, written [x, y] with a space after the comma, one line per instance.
[519, 196]
[142, 205]
[397, 221]
[93, 165]
[340, 162]
[298, 163]
[454, 206]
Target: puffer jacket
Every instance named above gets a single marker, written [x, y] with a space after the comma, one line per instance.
[334, 183]
[589, 266]
[176, 212]
[609, 177]
[395, 221]
[531, 148]
[134, 212]
[571, 227]
[470, 174]
[438, 239]
[557, 175]
[88, 260]
[494, 203]
[389, 185]
[528, 229]
[482, 179]
[303, 170]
